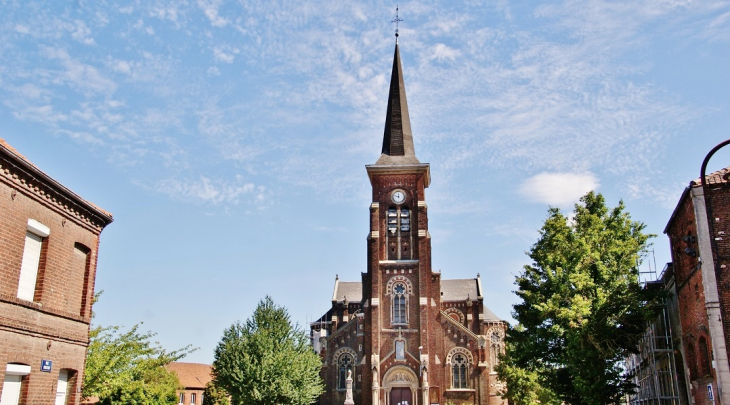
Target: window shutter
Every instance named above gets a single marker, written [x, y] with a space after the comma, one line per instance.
[61, 388]
[11, 390]
[29, 266]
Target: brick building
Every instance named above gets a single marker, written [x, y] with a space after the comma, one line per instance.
[49, 239]
[408, 336]
[701, 256]
[193, 377]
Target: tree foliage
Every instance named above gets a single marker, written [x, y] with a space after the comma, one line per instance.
[582, 311]
[214, 395]
[267, 361]
[127, 368]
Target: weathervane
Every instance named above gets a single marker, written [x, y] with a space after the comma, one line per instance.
[396, 21]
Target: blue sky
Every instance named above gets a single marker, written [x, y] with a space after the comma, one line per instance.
[229, 138]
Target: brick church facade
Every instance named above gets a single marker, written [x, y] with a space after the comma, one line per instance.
[407, 335]
[700, 260]
[49, 239]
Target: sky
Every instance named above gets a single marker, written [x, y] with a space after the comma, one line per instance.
[229, 138]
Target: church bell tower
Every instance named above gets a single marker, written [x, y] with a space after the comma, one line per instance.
[401, 295]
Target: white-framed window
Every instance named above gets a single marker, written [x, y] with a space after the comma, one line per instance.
[12, 385]
[34, 236]
[182, 398]
[192, 399]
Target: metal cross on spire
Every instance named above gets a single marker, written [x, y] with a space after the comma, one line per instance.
[396, 21]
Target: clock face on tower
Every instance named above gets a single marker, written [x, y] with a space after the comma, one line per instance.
[398, 196]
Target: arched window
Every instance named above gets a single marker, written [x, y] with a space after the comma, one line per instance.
[400, 349]
[460, 360]
[344, 363]
[704, 368]
[496, 346]
[459, 371]
[399, 304]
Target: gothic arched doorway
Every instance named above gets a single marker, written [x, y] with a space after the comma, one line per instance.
[401, 386]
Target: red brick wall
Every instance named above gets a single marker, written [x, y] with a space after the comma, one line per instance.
[55, 325]
[718, 200]
[691, 298]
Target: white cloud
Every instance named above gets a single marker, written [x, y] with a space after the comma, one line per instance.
[81, 33]
[21, 29]
[558, 189]
[442, 52]
[80, 76]
[210, 8]
[45, 114]
[223, 56]
[204, 189]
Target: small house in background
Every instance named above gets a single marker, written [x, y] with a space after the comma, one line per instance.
[49, 241]
[193, 378]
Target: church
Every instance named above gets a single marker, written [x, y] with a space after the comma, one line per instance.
[406, 335]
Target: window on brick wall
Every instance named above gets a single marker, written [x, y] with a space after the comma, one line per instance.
[15, 375]
[344, 364]
[182, 397]
[459, 372]
[192, 399]
[81, 265]
[399, 304]
[34, 236]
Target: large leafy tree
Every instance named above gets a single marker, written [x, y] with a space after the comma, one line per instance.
[214, 395]
[583, 309]
[128, 368]
[267, 361]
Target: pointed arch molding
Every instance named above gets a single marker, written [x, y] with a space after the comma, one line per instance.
[451, 312]
[496, 330]
[341, 351]
[399, 279]
[460, 350]
[400, 376]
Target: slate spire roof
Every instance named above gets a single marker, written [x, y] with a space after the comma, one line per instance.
[397, 138]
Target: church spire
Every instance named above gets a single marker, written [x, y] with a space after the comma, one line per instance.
[397, 139]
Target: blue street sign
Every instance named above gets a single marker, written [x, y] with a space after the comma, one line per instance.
[710, 396]
[46, 365]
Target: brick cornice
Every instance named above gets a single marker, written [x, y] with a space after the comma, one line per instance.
[35, 184]
[35, 306]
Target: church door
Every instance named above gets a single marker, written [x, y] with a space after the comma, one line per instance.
[400, 396]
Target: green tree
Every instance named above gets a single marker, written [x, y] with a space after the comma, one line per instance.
[214, 395]
[523, 384]
[267, 361]
[582, 311]
[127, 368]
